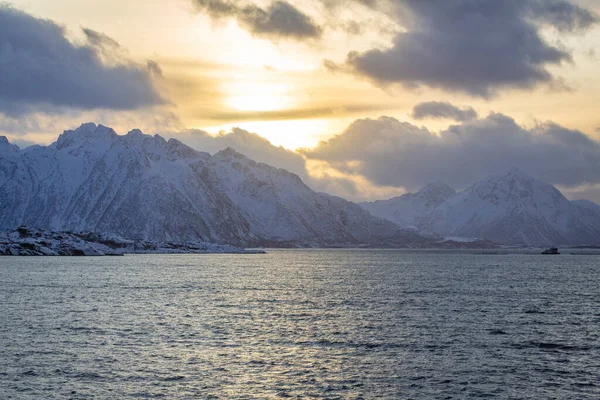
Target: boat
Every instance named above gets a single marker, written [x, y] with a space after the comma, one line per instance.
[551, 250]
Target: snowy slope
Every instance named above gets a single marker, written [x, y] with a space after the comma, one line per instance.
[515, 209]
[144, 187]
[279, 206]
[410, 209]
[587, 207]
[589, 215]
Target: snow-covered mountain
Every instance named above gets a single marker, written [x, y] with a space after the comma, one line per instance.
[410, 209]
[144, 187]
[516, 209]
[512, 209]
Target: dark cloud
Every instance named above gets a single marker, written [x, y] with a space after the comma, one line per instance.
[389, 152]
[100, 39]
[40, 68]
[443, 110]
[563, 15]
[280, 20]
[154, 68]
[472, 46]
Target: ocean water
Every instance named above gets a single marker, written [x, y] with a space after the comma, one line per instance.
[334, 324]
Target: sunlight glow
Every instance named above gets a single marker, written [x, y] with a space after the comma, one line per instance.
[258, 96]
[291, 134]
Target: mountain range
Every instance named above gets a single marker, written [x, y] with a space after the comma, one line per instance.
[511, 209]
[147, 188]
[144, 187]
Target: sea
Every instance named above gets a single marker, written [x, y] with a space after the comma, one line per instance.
[301, 324]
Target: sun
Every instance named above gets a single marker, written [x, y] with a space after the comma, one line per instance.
[257, 96]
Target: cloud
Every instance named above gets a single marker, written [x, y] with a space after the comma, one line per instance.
[291, 113]
[320, 178]
[472, 46]
[393, 153]
[41, 69]
[100, 39]
[21, 143]
[443, 110]
[586, 192]
[250, 144]
[563, 15]
[43, 128]
[280, 20]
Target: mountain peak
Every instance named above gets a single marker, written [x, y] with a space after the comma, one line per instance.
[517, 173]
[86, 132]
[135, 133]
[7, 146]
[181, 150]
[435, 194]
[230, 152]
[437, 186]
[86, 127]
[102, 130]
[137, 136]
[514, 186]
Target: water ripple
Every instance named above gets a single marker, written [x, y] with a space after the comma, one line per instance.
[337, 324]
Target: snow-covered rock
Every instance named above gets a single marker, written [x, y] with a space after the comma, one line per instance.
[410, 209]
[35, 242]
[144, 187]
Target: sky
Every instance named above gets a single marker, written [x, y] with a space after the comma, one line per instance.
[365, 99]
